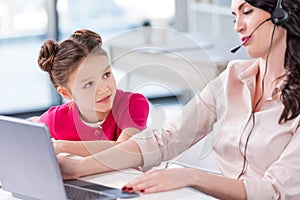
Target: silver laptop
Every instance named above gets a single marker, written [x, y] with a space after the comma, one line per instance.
[29, 168]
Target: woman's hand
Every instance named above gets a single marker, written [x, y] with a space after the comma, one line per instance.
[160, 180]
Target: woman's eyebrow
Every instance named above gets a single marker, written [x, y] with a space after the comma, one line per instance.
[239, 8]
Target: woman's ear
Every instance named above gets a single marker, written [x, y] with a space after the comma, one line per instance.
[64, 93]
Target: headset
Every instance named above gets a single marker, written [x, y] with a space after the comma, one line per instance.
[279, 16]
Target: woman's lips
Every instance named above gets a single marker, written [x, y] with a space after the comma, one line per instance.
[245, 39]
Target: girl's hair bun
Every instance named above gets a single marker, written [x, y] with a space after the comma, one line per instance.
[47, 54]
[84, 35]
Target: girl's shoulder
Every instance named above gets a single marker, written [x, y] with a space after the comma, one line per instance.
[128, 96]
[132, 101]
[62, 109]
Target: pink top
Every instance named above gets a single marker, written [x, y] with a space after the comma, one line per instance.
[129, 110]
[223, 110]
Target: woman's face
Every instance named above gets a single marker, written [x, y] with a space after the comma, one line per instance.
[93, 86]
[247, 18]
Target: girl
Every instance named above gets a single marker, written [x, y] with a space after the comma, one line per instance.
[96, 112]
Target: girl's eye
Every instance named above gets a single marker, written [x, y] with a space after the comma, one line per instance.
[106, 75]
[88, 85]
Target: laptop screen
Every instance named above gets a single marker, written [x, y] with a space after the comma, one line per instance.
[28, 164]
[29, 168]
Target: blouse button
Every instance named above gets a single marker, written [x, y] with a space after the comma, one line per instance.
[97, 132]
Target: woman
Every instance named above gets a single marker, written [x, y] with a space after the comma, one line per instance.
[97, 112]
[253, 107]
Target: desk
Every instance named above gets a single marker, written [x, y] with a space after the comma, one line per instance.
[123, 176]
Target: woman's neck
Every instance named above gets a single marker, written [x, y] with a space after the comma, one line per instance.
[275, 69]
[274, 60]
[273, 63]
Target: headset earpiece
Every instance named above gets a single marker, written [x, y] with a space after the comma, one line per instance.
[279, 15]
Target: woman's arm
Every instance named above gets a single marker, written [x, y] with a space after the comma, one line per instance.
[153, 181]
[127, 133]
[170, 179]
[87, 148]
[280, 180]
[157, 145]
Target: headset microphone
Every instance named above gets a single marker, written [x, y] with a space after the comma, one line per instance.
[235, 49]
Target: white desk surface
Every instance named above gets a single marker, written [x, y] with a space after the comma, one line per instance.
[119, 178]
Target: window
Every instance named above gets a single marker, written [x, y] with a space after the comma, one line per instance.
[111, 17]
[23, 27]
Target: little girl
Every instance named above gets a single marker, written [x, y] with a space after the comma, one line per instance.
[96, 111]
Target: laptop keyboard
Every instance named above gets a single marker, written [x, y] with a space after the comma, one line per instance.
[75, 193]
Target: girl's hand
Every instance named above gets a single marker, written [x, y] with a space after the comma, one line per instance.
[58, 146]
[160, 181]
[33, 119]
[69, 166]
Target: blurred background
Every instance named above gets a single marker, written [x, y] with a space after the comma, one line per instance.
[25, 25]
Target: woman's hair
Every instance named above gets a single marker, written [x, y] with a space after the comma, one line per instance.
[290, 96]
[61, 59]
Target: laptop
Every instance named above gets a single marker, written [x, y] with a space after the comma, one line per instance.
[29, 168]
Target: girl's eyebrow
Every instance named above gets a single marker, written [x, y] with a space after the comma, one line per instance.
[239, 8]
[85, 80]
[89, 78]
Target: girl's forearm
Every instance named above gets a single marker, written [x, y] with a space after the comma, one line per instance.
[83, 148]
[124, 155]
[87, 148]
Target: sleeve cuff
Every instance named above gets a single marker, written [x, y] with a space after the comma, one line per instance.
[146, 141]
[259, 189]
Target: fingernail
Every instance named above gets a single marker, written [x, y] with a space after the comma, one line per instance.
[130, 188]
[124, 188]
[142, 191]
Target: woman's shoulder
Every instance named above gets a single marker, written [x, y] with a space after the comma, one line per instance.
[236, 67]
[234, 70]
[240, 65]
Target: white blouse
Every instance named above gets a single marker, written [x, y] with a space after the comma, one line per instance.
[224, 109]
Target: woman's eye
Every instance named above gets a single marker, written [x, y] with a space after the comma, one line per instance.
[106, 75]
[88, 85]
[247, 12]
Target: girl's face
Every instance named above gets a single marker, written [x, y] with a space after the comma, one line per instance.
[247, 18]
[93, 87]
